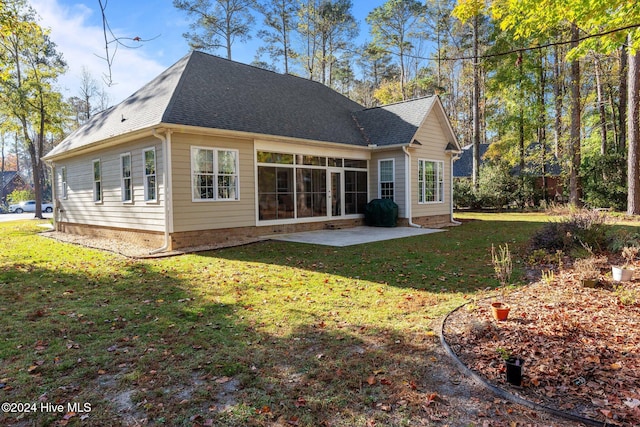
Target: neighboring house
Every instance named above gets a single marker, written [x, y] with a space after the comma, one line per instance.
[213, 150]
[10, 181]
[463, 167]
[550, 182]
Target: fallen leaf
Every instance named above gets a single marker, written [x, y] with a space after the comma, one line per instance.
[371, 380]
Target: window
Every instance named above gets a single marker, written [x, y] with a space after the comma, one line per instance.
[355, 191]
[311, 192]
[275, 193]
[63, 178]
[150, 183]
[386, 173]
[97, 181]
[292, 186]
[126, 181]
[215, 174]
[430, 181]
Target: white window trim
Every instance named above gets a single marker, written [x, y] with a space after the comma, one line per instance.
[122, 178]
[393, 171]
[145, 176]
[63, 183]
[215, 174]
[439, 173]
[93, 176]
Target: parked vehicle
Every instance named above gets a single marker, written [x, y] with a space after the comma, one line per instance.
[29, 206]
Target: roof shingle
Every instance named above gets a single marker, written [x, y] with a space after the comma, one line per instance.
[211, 92]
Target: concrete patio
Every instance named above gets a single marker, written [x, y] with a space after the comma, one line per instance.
[352, 236]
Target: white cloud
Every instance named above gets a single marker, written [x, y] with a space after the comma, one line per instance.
[82, 45]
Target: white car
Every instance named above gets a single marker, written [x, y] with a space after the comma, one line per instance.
[29, 206]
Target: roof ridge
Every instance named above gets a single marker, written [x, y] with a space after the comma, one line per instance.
[420, 98]
[178, 85]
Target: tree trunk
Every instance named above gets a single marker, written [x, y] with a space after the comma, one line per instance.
[542, 130]
[622, 105]
[557, 95]
[633, 135]
[476, 106]
[575, 188]
[601, 106]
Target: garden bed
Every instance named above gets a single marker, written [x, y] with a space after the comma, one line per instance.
[581, 345]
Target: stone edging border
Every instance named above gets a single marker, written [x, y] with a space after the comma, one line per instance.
[503, 393]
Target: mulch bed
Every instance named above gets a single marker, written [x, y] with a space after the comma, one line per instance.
[581, 345]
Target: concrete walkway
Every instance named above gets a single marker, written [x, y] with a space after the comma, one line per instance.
[352, 236]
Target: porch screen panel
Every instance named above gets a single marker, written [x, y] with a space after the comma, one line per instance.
[275, 193]
[355, 191]
[312, 192]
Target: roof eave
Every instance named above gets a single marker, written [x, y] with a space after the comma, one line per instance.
[101, 144]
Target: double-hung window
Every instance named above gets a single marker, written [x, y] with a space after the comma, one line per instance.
[63, 179]
[150, 182]
[126, 180]
[97, 181]
[386, 173]
[430, 181]
[214, 174]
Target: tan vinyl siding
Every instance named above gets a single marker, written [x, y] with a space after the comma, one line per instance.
[211, 214]
[398, 157]
[79, 207]
[434, 142]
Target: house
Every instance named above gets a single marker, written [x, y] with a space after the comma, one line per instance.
[548, 184]
[10, 181]
[212, 150]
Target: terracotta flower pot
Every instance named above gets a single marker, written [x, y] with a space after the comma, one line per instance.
[621, 274]
[500, 311]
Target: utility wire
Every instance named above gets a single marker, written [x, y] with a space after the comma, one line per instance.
[518, 50]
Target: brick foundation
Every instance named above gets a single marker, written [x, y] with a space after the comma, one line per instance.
[231, 235]
[436, 221]
[146, 239]
[226, 236]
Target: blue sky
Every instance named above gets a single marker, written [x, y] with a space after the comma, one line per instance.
[76, 27]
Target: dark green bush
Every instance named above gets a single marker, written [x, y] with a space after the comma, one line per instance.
[604, 180]
[464, 195]
[581, 229]
[496, 187]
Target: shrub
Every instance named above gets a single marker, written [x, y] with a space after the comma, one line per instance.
[604, 180]
[496, 187]
[581, 229]
[18, 196]
[464, 195]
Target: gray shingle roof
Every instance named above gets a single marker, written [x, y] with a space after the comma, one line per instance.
[221, 94]
[207, 91]
[394, 123]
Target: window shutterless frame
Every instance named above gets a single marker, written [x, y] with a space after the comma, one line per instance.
[150, 177]
[386, 178]
[430, 181]
[97, 181]
[214, 174]
[126, 178]
[63, 183]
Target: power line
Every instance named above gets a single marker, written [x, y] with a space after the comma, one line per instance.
[519, 50]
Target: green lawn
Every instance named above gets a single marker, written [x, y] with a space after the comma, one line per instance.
[267, 333]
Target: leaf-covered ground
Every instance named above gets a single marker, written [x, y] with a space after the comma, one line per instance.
[581, 345]
[269, 334]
